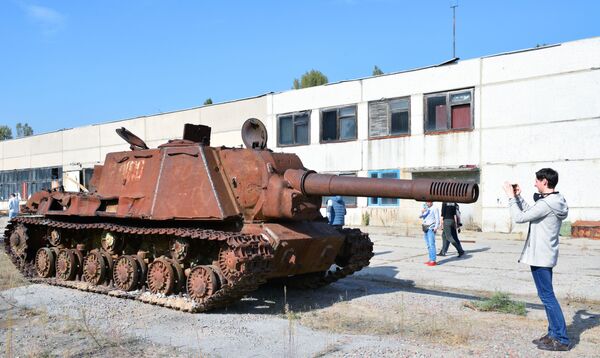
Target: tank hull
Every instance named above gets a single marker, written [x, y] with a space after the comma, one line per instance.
[189, 267]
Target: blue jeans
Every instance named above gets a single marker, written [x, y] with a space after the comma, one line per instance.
[557, 328]
[430, 241]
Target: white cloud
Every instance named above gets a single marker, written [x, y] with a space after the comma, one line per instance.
[49, 20]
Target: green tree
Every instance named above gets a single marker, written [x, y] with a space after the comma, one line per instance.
[24, 130]
[377, 71]
[5, 133]
[310, 79]
[208, 101]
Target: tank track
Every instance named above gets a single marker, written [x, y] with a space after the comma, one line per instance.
[356, 254]
[252, 252]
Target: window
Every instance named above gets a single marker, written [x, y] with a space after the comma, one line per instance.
[449, 111]
[389, 117]
[388, 174]
[26, 181]
[293, 128]
[338, 124]
[349, 200]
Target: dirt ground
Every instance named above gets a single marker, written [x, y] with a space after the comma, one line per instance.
[355, 317]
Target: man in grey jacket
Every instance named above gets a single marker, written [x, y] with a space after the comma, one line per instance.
[541, 248]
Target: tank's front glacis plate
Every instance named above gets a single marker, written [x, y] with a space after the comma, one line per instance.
[300, 247]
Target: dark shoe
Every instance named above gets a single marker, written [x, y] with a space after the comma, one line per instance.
[553, 345]
[544, 339]
[461, 254]
[441, 253]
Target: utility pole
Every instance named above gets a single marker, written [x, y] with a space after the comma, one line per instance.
[454, 29]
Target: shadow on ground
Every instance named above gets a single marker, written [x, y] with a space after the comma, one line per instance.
[468, 255]
[582, 321]
[272, 299]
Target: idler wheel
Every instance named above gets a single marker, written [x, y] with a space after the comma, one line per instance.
[18, 241]
[67, 264]
[202, 282]
[126, 273]
[54, 237]
[95, 267]
[180, 249]
[230, 264]
[161, 276]
[45, 262]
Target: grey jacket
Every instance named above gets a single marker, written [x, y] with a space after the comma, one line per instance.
[545, 218]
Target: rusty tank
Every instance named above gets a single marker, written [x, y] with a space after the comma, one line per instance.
[194, 227]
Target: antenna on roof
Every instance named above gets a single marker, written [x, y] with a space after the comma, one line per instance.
[454, 29]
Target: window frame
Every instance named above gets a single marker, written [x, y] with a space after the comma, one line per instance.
[389, 118]
[293, 115]
[379, 175]
[448, 95]
[338, 127]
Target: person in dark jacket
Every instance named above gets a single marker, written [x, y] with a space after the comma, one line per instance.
[450, 215]
[336, 212]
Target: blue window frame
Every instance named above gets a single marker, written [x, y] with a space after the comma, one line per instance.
[387, 174]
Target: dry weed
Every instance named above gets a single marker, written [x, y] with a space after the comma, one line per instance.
[289, 348]
[10, 277]
[572, 299]
[349, 318]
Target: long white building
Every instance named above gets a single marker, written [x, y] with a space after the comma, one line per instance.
[487, 120]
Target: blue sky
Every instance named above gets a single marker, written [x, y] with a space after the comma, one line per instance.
[65, 63]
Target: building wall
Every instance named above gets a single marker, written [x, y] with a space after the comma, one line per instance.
[531, 109]
[89, 145]
[541, 109]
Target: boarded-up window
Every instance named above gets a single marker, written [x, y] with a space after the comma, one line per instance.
[449, 111]
[389, 117]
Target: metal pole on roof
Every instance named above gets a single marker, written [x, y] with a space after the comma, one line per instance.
[454, 30]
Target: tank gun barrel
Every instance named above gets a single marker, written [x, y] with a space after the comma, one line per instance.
[311, 183]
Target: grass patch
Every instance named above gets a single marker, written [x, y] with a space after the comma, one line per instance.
[499, 302]
[10, 277]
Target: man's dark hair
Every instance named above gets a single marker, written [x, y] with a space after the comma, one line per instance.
[549, 174]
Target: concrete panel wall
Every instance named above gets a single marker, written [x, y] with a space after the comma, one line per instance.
[448, 150]
[47, 143]
[332, 95]
[558, 141]
[434, 79]
[230, 116]
[344, 156]
[81, 138]
[45, 160]
[109, 137]
[162, 127]
[18, 148]
[541, 100]
[569, 56]
[582, 201]
[86, 157]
